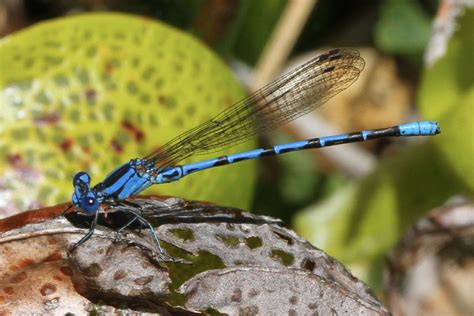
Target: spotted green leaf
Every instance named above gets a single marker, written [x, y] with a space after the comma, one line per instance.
[91, 92]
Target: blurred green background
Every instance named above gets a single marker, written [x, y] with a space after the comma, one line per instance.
[355, 217]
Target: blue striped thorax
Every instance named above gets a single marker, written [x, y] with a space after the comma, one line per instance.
[127, 180]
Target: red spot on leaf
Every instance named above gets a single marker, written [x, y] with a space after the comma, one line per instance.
[47, 119]
[57, 278]
[108, 67]
[137, 133]
[161, 99]
[91, 94]
[55, 256]
[66, 271]
[9, 290]
[116, 146]
[65, 145]
[15, 160]
[20, 277]
[25, 263]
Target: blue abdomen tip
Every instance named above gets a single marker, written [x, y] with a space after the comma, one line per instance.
[423, 128]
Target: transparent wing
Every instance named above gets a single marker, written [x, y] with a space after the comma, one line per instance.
[295, 94]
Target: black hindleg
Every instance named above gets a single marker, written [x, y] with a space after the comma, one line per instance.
[130, 204]
[86, 236]
[150, 227]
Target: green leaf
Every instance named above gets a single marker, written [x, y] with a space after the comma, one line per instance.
[93, 91]
[456, 144]
[452, 76]
[256, 24]
[403, 27]
[447, 93]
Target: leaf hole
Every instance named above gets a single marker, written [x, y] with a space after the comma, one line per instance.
[253, 242]
[308, 264]
[184, 234]
[228, 240]
[285, 257]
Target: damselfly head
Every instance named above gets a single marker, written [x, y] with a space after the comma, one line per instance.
[84, 197]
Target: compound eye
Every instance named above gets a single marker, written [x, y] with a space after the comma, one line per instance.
[81, 177]
[89, 204]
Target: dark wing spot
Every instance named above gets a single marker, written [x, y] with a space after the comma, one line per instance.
[329, 69]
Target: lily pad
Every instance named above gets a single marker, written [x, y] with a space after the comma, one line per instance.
[91, 92]
[215, 260]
